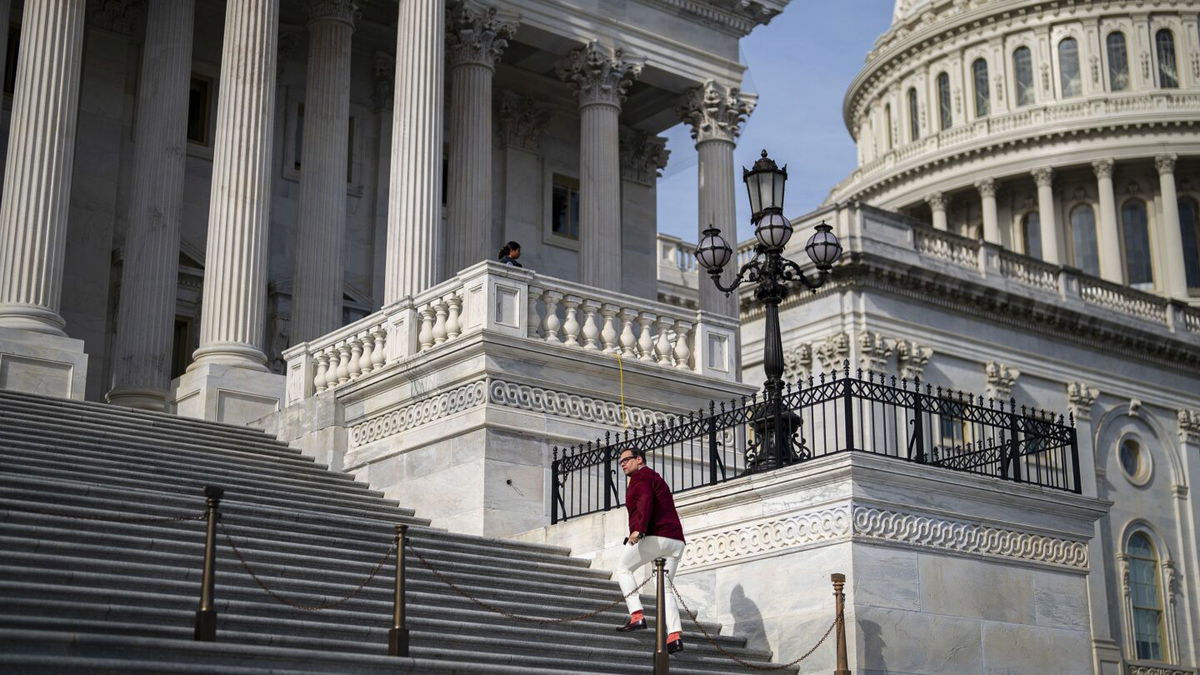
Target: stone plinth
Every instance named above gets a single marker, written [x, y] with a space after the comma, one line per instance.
[947, 572]
[229, 394]
[38, 363]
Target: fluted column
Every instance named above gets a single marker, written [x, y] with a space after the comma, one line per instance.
[1044, 178]
[937, 205]
[317, 285]
[991, 222]
[716, 113]
[1175, 277]
[475, 38]
[600, 77]
[1110, 235]
[37, 173]
[146, 315]
[415, 204]
[233, 312]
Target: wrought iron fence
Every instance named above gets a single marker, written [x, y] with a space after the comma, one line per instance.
[836, 412]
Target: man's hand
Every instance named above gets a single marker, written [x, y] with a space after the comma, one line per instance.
[634, 537]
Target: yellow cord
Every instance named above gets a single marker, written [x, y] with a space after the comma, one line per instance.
[624, 410]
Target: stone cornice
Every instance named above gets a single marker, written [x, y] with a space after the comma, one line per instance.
[738, 18]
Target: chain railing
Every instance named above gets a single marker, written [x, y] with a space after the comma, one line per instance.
[839, 412]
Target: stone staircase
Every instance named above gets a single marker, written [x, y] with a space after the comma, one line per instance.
[87, 587]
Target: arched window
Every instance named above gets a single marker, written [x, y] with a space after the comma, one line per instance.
[887, 126]
[1068, 68]
[1023, 73]
[1118, 62]
[1137, 244]
[979, 73]
[1189, 233]
[1164, 45]
[914, 119]
[1031, 234]
[1145, 594]
[1083, 236]
[944, 111]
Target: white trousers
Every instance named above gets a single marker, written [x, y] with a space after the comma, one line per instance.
[641, 553]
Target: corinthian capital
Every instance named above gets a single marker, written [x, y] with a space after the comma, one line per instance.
[345, 11]
[477, 34]
[716, 112]
[521, 121]
[643, 157]
[599, 75]
[1165, 163]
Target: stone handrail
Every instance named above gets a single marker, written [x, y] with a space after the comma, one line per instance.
[521, 303]
[1029, 271]
[949, 247]
[1123, 299]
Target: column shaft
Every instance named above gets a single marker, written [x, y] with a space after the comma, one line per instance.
[937, 206]
[469, 174]
[37, 175]
[233, 313]
[599, 195]
[414, 207]
[146, 315]
[991, 222]
[717, 207]
[1111, 268]
[318, 281]
[1046, 215]
[1175, 277]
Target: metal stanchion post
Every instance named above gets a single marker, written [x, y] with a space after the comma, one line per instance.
[662, 660]
[398, 635]
[839, 582]
[206, 616]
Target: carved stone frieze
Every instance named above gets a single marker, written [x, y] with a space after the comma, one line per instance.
[738, 17]
[834, 351]
[1138, 669]
[571, 406]
[803, 530]
[874, 352]
[476, 34]
[522, 121]
[1189, 426]
[716, 112]
[798, 362]
[643, 156]
[911, 358]
[419, 413]
[1000, 380]
[1080, 398]
[598, 74]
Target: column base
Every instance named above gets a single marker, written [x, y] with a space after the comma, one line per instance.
[32, 318]
[223, 393]
[142, 399]
[234, 354]
[37, 362]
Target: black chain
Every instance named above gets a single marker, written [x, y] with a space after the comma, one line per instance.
[308, 608]
[747, 664]
[518, 617]
[112, 519]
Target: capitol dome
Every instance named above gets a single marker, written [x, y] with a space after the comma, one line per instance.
[1061, 129]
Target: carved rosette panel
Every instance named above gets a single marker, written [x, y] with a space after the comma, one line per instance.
[598, 74]
[643, 157]
[417, 414]
[522, 121]
[716, 112]
[476, 35]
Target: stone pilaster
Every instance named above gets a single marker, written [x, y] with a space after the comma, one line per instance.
[146, 319]
[37, 176]
[318, 283]
[600, 77]
[991, 222]
[937, 205]
[235, 276]
[1000, 380]
[1044, 178]
[1174, 275]
[475, 38]
[1110, 235]
[716, 113]
[415, 193]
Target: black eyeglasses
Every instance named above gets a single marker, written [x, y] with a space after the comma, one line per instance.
[625, 459]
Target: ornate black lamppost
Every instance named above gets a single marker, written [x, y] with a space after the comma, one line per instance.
[772, 273]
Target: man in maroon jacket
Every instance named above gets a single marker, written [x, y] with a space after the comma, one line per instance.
[654, 532]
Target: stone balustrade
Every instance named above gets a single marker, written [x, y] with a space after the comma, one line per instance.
[519, 303]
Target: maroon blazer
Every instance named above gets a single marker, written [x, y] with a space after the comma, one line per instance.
[651, 507]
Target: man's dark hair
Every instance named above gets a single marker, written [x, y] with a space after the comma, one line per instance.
[636, 452]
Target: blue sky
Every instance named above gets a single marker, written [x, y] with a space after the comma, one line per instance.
[800, 65]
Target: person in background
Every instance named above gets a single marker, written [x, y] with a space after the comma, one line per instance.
[509, 254]
[654, 532]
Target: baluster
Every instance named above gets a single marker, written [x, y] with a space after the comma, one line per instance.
[608, 335]
[645, 343]
[628, 341]
[380, 354]
[662, 348]
[534, 324]
[571, 325]
[319, 380]
[368, 348]
[439, 326]
[590, 330]
[683, 351]
[343, 369]
[453, 322]
[552, 324]
[425, 336]
[354, 366]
